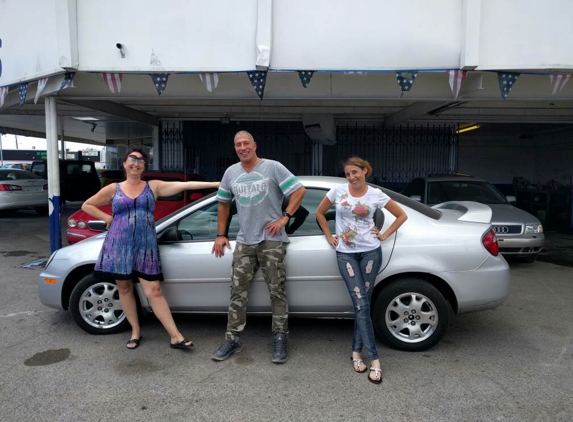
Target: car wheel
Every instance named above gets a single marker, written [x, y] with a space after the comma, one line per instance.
[529, 259]
[410, 315]
[95, 306]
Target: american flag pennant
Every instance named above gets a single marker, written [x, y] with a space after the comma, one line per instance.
[506, 81]
[3, 95]
[210, 80]
[558, 82]
[113, 81]
[456, 78]
[352, 72]
[41, 85]
[67, 82]
[305, 76]
[258, 80]
[22, 91]
[406, 80]
[160, 81]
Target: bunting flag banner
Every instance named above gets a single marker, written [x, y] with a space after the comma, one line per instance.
[113, 81]
[506, 81]
[3, 95]
[305, 76]
[352, 72]
[258, 80]
[406, 80]
[22, 91]
[41, 85]
[558, 82]
[67, 82]
[210, 80]
[457, 78]
[160, 81]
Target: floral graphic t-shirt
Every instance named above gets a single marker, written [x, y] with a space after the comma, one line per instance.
[354, 218]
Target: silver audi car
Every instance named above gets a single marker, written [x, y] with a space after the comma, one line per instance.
[443, 260]
[519, 233]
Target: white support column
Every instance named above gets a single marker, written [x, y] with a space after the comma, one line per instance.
[471, 22]
[263, 37]
[53, 171]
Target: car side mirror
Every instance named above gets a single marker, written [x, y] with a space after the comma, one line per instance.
[511, 198]
[416, 198]
[97, 225]
[170, 234]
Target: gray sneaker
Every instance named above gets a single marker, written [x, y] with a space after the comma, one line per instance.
[227, 348]
[280, 354]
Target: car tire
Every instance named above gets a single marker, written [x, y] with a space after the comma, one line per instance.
[528, 259]
[410, 314]
[94, 305]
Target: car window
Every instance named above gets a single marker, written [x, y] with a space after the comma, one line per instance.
[303, 221]
[201, 224]
[415, 187]
[478, 191]
[25, 175]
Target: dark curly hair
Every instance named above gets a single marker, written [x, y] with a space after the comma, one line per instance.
[137, 148]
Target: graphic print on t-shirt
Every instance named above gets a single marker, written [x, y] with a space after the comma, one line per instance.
[361, 212]
[250, 189]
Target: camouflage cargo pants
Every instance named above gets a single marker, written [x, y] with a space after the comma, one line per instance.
[269, 255]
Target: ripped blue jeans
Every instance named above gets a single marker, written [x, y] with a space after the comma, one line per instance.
[359, 273]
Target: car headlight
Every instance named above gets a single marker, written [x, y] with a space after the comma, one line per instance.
[72, 223]
[81, 224]
[533, 228]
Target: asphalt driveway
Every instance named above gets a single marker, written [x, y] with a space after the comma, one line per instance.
[511, 364]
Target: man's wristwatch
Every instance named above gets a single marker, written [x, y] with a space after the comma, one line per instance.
[221, 235]
[286, 214]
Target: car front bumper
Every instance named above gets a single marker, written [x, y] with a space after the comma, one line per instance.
[520, 245]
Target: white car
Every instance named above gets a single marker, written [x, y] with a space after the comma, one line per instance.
[440, 260]
[20, 189]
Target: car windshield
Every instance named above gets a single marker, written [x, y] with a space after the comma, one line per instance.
[456, 190]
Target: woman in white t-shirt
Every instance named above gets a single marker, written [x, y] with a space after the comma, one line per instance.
[358, 251]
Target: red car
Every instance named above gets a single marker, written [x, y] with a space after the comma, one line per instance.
[77, 228]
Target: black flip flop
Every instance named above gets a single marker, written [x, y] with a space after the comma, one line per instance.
[182, 345]
[133, 341]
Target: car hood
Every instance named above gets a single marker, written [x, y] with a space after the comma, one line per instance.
[506, 213]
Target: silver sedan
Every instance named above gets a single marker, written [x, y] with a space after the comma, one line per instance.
[20, 189]
[443, 259]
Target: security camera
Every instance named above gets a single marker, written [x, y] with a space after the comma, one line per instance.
[120, 48]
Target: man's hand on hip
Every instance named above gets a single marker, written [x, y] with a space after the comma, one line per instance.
[274, 228]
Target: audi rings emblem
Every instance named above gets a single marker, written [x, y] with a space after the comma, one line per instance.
[501, 229]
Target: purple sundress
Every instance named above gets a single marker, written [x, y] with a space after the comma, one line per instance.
[130, 246]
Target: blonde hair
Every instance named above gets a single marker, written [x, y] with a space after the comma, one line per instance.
[358, 162]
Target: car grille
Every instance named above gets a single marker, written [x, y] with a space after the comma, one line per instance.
[507, 229]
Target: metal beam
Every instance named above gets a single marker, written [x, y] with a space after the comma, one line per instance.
[116, 109]
[412, 111]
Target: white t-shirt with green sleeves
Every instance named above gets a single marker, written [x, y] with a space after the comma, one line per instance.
[355, 218]
[259, 197]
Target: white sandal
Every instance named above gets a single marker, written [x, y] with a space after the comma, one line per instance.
[357, 362]
[377, 372]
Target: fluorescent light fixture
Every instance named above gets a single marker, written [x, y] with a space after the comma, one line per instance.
[467, 128]
[85, 119]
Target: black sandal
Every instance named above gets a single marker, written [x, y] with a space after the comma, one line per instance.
[357, 362]
[133, 341]
[182, 345]
[377, 371]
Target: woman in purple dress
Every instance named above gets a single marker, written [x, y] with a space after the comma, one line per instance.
[130, 251]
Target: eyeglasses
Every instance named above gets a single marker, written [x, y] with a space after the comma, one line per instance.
[135, 159]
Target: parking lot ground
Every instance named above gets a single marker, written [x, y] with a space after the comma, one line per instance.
[511, 364]
[558, 249]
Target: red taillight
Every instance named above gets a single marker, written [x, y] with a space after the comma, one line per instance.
[9, 188]
[489, 241]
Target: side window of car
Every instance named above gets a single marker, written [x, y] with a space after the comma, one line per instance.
[303, 221]
[436, 193]
[201, 224]
[415, 187]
